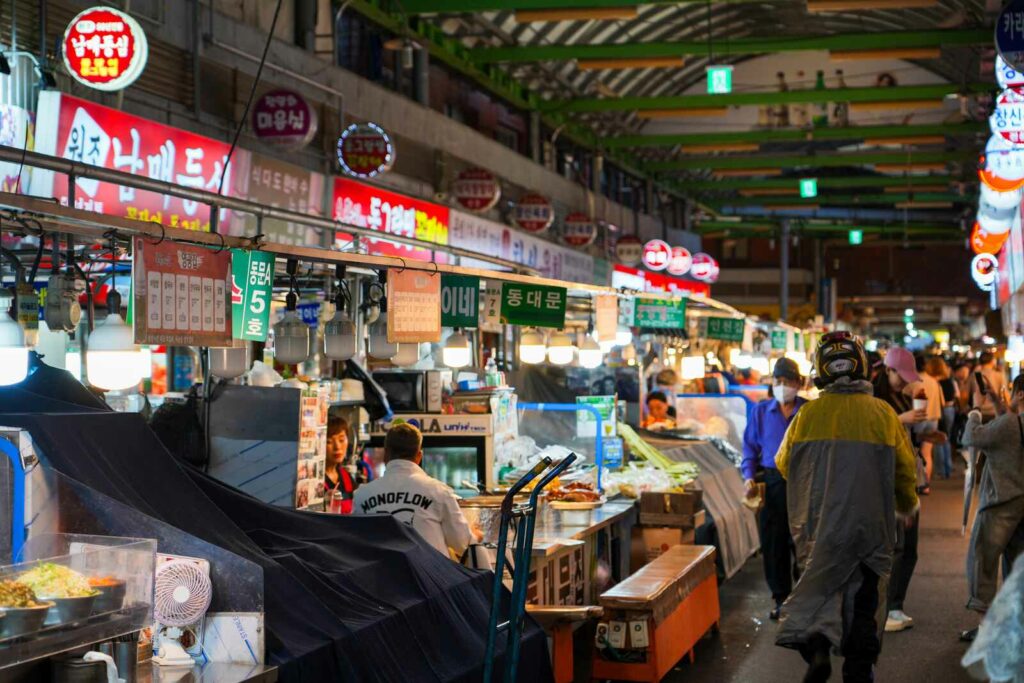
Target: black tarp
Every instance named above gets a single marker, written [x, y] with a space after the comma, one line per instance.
[346, 598]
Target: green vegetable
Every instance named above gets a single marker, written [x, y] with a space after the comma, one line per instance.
[57, 581]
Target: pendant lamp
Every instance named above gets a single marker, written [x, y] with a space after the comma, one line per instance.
[590, 353]
[229, 362]
[560, 348]
[13, 352]
[112, 359]
[379, 346]
[291, 334]
[532, 348]
[340, 331]
[457, 352]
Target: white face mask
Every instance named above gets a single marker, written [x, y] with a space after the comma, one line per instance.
[783, 394]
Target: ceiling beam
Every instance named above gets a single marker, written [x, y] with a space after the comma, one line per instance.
[794, 135]
[906, 93]
[775, 161]
[769, 227]
[466, 6]
[844, 199]
[844, 42]
[840, 182]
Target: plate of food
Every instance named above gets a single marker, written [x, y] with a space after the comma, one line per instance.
[69, 590]
[21, 612]
[578, 495]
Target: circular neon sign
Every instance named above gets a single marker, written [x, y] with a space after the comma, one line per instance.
[629, 250]
[679, 261]
[533, 212]
[704, 267]
[476, 189]
[983, 269]
[104, 48]
[578, 230]
[365, 150]
[657, 254]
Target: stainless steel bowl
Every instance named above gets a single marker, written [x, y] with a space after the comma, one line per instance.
[111, 598]
[20, 622]
[69, 612]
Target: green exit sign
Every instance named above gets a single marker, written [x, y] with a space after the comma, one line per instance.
[856, 236]
[719, 80]
[808, 187]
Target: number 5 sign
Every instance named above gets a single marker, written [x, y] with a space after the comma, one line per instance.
[252, 281]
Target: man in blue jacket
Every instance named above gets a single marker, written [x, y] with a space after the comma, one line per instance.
[765, 430]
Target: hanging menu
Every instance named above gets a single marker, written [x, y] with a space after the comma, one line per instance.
[414, 306]
[726, 329]
[181, 294]
[606, 316]
[533, 305]
[460, 300]
[664, 314]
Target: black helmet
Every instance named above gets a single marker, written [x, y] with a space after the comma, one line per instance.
[839, 354]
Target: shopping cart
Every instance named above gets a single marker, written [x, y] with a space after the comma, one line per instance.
[524, 517]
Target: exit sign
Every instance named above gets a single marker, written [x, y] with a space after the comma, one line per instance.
[856, 236]
[719, 80]
[808, 187]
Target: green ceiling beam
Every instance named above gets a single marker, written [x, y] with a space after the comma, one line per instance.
[770, 227]
[794, 135]
[738, 99]
[465, 6]
[747, 161]
[829, 200]
[734, 46]
[841, 182]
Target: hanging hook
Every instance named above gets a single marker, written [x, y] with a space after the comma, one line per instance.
[403, 263]
[223, 245]
[434, 263]
[163, 234]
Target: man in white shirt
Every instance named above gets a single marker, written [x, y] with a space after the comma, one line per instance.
[410, 495]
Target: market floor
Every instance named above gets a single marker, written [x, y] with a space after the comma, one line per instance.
[745, 652]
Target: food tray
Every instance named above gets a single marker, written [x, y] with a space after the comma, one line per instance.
[569, 505]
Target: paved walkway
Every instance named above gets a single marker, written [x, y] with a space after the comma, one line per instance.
[744, 651]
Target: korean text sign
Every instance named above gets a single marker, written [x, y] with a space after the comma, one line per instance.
[89, 133]
[414, 306]
[534, 305]
[460, 300]
[780, 339]
[252, 283]
[104, 48]
[726, 329]
[666, 314]
[181, 294]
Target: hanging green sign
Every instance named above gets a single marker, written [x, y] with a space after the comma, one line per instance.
[780, 339]
[665, 314]
[726, 329]
[533, 305]
[252, 282]
[460, 300]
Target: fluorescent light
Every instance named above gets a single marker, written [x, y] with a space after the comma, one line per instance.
[112, 359]
[623, 335]
[532, 349]
[230, 361]
[456, 352]
[408, 354]
[291, 339]
[760, 364]
[13, 352]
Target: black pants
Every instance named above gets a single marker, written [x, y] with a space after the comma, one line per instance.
[777, 550]
[903, 563]
[862, 641]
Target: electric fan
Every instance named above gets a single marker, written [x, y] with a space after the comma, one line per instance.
[181, 597]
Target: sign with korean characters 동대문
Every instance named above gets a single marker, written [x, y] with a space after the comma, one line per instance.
[104, 48]
[664, 314]
[533, 305]
[414, 306]
[780, 339]
[181, 294]
[89, 133]
[460, 300]
[726, 329]
[252, 284]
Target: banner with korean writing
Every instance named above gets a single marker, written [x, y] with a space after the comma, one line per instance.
[726, 329]
[460, 300]
[414, 306]
[90, 133]
[533, 305]
[276, 183]
[182, 294]
[252, 284]
[780, 339]
[663, 314]
[606, 316]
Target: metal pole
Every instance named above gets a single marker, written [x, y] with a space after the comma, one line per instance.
[819, 257]
[196, 44]
[421, 76]
[784, 272]
[535, 146]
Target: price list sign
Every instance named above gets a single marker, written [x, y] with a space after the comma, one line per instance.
[182, 294]
[780, 339]
[252, 282]
[726, 329]
[414, 306]
[460, 300]
[533, 305]
[665, 314]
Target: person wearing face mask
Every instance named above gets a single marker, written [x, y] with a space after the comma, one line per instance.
[765, 431]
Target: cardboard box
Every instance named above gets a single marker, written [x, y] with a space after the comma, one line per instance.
[671, 509]
[647, 543]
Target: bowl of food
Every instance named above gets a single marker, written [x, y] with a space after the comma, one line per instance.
[21, 612]
[112, 591]
[577, 496]
[68, 590]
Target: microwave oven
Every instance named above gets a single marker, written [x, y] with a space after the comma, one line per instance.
[413, 391]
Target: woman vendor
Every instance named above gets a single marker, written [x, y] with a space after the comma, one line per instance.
[336, 476]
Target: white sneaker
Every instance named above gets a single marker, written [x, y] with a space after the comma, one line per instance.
[897, 621]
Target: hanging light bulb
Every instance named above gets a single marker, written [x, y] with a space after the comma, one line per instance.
[457, 352]
[591, 354]
[291, 334]
[229, 362]
[112, 359]
[13, 352]
[560, 348]
[340, 331]
[408, 354]
[379, 346]
[623, 335]
[532, 348]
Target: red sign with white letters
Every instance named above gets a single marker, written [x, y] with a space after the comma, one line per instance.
[104, 48]
[476, 189]
[657, 254]
[533, 212]
[579, 230]
[680, 260]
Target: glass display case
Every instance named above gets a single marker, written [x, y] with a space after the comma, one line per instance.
[712, 415]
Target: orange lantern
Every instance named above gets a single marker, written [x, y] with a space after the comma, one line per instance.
[984, 243]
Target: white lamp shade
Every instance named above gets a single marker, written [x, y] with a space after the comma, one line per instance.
[532, 349]
[408, 354]
[379, 346]
[607, 346]
[591, 355]
[340, 337]
[13, 364]
[456, 352]
[623, 335]
[692, 367]
[291, 339]
[112, 361]
[560, 349]
[230, 361]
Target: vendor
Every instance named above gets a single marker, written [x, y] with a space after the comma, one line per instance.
[761, 440]
[410, 495]
[658, 412]
[336, 476]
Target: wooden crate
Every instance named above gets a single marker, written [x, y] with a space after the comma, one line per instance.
[672, 509]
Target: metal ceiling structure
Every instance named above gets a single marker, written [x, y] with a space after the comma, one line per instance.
[606, 70]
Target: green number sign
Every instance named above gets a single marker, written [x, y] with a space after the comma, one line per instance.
[780, 339]
[726, 329]
[666, 314]
[460, 300]
[533, 305]
[252, 281]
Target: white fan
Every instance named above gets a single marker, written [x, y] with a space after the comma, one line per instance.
[181, 597]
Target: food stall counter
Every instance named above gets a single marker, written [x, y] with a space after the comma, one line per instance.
[567, 528]
[211, 672]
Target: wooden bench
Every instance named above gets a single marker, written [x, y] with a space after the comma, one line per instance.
[560, 621]
[676, 595]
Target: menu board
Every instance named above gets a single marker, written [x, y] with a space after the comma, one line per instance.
[312, 454]
[660, 313]
[606, 316]
[414, 306]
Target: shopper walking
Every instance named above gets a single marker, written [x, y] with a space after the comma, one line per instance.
[765, 430]
[850, 472]
[987, 383]
[929, 386]
[937, 368]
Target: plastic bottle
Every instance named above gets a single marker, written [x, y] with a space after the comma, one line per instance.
[821, 109]
[782, 109]
[492, 378]
[840, 110]
[798, 113]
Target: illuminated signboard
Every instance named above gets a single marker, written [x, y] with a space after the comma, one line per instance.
[533, 212]
[476, 189]
[104, 48]
[579, 230]
[365, 150]
[284, 118]
[657, 254]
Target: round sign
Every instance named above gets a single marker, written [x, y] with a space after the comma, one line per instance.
[534, 213]
[657, 254]
[704, 267]
[284, 118]
[1007, 121]
[104, 48]
[994, 221]
[629, 250]
[983, 269]
[476, 189]
[679, 261]
[365, 150]
[983, 242]
[1002, 167]
[1007, 76]
[1009, 36]
[579, 230]
[1000, 200]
